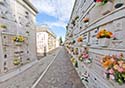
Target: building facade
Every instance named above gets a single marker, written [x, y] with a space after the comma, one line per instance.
[17, 34]
[95, 37]
[46, 39]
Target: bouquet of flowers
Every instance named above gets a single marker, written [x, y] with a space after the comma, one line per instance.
[80, 39]
[104, 34]
[85, 57]
[3, 26]
[74, 62]
[101, 2]
[16, 61]
[18, 39]
[115, 67]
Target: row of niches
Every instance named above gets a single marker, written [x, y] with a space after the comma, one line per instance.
[15, 57]
[99, 11]
[86, 62]
[14, 40]
[11, 28]
[110, 35]
[13, 62]
[14, 51]
[95, 13]
[20, 18]
[5, 11]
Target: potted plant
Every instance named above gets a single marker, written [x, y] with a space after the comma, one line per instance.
[104, 37]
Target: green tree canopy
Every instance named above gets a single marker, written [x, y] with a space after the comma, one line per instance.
[60, 40]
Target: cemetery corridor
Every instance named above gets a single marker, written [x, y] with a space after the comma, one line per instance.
[61, 74]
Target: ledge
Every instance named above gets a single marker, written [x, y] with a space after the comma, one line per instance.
[114, 15]
[16, 72]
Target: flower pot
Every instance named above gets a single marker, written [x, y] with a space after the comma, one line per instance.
[104, 42]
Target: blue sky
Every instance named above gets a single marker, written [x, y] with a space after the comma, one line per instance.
[54, 13]
[42, 18]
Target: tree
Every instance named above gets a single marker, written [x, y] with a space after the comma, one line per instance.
[60, 41]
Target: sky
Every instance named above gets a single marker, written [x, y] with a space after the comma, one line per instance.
[54, 13]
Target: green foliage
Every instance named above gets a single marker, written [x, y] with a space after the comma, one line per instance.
[60, 41]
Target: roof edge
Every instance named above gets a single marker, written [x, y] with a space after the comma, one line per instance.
[30, 5]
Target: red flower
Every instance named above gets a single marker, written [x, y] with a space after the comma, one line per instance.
[99, 0]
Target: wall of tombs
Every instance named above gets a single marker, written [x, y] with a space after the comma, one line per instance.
[17, 35]
[95, 40]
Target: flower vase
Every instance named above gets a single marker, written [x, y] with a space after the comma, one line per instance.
[18, 43]
[104, 42]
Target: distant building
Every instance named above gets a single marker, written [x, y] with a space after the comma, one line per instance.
[57, 42]
[46, 39]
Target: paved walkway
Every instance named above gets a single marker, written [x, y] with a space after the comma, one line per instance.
[27, 78]
[61, 74]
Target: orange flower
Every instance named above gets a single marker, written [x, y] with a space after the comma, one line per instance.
[86, 19]
[80, 39]
[104, 34]
[107, 63]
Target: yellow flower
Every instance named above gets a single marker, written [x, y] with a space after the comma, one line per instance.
[116, 67]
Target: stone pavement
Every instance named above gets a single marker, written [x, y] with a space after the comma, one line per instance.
[61, 74]
[27, 78]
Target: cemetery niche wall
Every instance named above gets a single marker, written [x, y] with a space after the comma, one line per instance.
[17, 34]
[98, 53]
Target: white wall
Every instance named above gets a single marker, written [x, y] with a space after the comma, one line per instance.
[42, 41]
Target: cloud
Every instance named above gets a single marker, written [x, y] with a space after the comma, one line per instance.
[60, 9]
[57, 24]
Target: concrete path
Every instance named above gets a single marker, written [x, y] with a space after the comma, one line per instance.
[61, 74]
[27, 78]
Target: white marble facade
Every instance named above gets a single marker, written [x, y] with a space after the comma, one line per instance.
[110, 17]
[19, 18]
